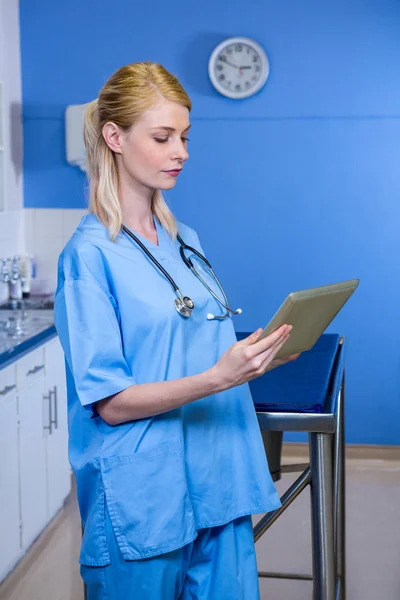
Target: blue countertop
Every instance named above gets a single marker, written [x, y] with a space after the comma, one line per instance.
[22, 332]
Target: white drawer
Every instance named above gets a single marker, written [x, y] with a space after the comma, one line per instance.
[29, 367]
[8, 381]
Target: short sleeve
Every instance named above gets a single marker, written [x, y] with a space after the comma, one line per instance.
[89, 332]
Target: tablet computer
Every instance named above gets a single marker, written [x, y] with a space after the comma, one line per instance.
[309, 312]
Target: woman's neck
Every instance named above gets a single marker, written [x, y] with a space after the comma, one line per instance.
[136, 209]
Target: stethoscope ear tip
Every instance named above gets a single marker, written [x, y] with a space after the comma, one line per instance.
[210, 317]
[239, 311]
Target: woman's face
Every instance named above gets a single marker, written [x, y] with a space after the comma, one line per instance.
[154, 150]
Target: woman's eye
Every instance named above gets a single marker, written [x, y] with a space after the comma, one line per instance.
[163, 140]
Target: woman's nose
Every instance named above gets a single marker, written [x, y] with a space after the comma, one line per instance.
[181, 151]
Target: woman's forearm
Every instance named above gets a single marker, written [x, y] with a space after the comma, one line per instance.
[147, 399]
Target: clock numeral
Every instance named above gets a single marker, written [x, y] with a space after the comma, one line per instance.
[238, 87]
[229, 82]
[229, 50]
[247, 83]
[219, 67]
[257, 68]
[238, 48]
[255, 58]
[254, 78]
[222, 58]
[221, 77]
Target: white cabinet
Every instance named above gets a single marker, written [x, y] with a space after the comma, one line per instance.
[45, 475]
[32, 459]
[35, 476]
[9, 481]
[58, 469]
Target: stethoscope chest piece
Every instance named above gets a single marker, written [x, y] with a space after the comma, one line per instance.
[184, 306]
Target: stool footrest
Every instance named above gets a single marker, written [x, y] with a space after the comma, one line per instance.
[295, 489]
[297, 576]
[294, 468]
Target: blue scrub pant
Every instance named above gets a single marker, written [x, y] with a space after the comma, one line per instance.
[220, 564]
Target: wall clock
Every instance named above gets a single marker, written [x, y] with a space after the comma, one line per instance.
[238, 67]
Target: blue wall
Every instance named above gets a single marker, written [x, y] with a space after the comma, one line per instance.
[296, 187]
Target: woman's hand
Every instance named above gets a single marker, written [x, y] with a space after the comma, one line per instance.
[242, 362]
[251, 358]
[281, 361]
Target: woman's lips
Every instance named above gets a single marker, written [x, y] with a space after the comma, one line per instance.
[173, 172]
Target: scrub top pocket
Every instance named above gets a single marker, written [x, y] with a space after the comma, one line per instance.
[148, 500]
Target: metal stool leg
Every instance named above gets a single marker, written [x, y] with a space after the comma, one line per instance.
[322, 516]
[340, 497]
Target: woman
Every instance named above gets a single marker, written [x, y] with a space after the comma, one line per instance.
[164, 440]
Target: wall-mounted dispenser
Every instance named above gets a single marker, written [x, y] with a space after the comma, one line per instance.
[75, 148]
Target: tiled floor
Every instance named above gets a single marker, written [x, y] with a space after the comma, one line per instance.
[373, 537]
[50, 571]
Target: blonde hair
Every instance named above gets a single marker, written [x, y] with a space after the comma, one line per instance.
[129, 92]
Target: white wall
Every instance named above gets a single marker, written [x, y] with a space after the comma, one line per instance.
[11, 220]
[46, 233]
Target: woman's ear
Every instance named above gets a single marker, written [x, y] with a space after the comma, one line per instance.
[112, 135]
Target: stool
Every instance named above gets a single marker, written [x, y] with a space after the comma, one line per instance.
[319, 376]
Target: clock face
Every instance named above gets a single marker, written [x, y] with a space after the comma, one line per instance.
[238, 67]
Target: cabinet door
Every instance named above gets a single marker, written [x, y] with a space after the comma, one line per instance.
[9, 480]
[58, 468]
[33, 417]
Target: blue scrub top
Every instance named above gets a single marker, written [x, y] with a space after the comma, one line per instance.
[166, 476]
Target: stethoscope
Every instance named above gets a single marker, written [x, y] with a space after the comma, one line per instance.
[183, 304]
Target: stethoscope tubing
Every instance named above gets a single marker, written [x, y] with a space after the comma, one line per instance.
[189, 264]
[149, 254]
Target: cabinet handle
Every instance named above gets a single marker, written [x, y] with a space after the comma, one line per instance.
[49, 426]
[7, 389]
[35, 370]
[55, 420]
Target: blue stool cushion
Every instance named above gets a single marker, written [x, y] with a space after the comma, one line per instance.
[299, 386]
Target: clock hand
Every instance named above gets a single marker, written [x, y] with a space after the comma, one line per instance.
[245, 67]
[231, 64]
